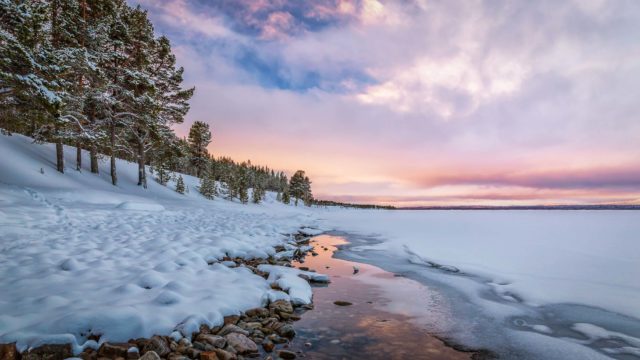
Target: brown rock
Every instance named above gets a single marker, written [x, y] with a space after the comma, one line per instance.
[231, 319]
[342, 303]
[225, 355]
[241, 343]
[281, 306]
[287, 331]
[208, 355]
[88, 354]
[151, 355]
[8, 352]
[268, 346]
[157, 344]
[258, 312]
[213, 340]
[286, 354]
[112, 350]
[133, 354]
[230, 328]
[49, 352]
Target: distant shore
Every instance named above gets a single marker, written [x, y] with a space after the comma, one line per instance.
[525, 207]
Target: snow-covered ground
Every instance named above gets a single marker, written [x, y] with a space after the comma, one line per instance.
[544, 272]
[79, 256]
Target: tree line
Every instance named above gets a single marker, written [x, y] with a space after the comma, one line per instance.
[93, 74]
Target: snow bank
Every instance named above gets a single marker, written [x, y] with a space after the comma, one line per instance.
[79, 256]
[292, 281]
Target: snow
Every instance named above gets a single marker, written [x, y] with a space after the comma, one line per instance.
[586, 257]
[544, 272]
[290, 280]
[79, 256]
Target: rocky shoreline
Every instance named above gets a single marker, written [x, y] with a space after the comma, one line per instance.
[258, 332]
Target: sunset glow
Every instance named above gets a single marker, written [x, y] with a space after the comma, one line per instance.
[420, 102]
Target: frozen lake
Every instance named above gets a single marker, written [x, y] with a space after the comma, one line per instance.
[558, 284]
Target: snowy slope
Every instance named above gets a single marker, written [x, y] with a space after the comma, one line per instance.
[79, 256]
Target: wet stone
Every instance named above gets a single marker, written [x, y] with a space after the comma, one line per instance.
[241, 343]
[8, 352]
[49, 352]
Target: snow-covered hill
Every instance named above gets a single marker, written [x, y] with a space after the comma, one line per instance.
[79, 256]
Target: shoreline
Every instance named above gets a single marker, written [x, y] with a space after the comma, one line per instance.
[267, 332]
[516, 334]
[262, 331]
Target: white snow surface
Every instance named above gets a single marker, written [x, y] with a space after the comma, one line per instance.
[543, 257]
[79, 256]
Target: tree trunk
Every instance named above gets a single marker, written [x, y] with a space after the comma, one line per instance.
[60, 156]
[142, 178]
[114, 176]
[93, 155]
[78, 156]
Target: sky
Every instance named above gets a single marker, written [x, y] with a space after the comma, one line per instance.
[418, 102]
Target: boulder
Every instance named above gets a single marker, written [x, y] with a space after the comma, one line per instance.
[150, 355]
[8, 352]
[113, 350]
[157, 344]
[241, 343]
[213, 340]
[49, 352]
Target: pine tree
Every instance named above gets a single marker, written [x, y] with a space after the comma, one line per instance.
[180, 185]
[208, 187]
[286, 198]
[297, 186]
[199, 138]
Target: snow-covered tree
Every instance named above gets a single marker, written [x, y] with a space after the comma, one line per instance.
[208, 187]
[180, 185]
[199, 138]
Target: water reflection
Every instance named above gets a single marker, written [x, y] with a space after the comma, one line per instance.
[374, 327]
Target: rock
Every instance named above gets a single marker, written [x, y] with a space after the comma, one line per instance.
[213, 340]
[287, 331]
[276, 339]
[230, 328]
[8, 352]
[231, 319]
[281, 306]
[87, 354]
[286, 354]
[224, 355]
[184, 342]
[208, 355]
[307, 344]
[193, 353]
[177, 357]
[150, 355]
[252, 325]
[49, 352]
[157, 344]
[342, 303]
[258, 312]
[268, 346]
[303, 268]
[112, 350]
[133, 353]
[241, 343]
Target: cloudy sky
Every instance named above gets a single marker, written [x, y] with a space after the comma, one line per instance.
[421, 102]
